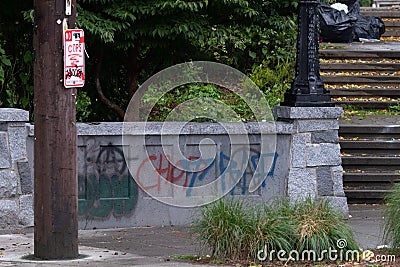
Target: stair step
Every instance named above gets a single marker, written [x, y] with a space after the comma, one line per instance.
[369, 129]
[366, 144]
[381, 12]
[370, 177]
[367, 104]
[369, 186]
[367, 136]
[364, 193]
[371, 168]
[372, 161]
[357, 54]
[368, 66]
[392, 24]
[370, 152]
[362, 79]
[388, 92]
[371, 65]
[365, 196]
[391, 32]
[365, 148]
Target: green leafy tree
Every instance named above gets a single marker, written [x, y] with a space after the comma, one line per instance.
[130, 40]
[16, 55]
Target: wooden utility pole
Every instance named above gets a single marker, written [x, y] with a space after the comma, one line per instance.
[55, 162]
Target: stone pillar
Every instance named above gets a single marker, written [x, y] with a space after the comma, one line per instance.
[16, 200]
[315, 162]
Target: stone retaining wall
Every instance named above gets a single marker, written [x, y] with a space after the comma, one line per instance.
[16, 183]
[306, 163]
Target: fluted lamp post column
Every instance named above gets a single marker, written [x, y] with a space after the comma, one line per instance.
[307, 89]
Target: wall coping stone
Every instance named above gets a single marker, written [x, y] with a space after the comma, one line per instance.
[154, 128]
[284, 112]
[192, 128]
[14, 115]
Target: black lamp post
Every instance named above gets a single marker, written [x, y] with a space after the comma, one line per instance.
[307, 89]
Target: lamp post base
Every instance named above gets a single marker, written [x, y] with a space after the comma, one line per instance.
[307, 100]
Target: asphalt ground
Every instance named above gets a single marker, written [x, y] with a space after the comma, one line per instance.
[156, 246]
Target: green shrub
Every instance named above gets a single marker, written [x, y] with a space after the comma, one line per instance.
[197, 98]
[273, 81]
[365, 3]
[83, 103]
[234, 231]
[392, 220]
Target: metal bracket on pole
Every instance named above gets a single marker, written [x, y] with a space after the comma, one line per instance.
[68, 7]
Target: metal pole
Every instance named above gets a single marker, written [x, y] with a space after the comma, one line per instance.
[55, 147]
[307, 89]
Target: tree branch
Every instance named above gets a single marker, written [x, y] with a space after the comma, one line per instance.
[99, 89]
[135, 66]
[133, 70]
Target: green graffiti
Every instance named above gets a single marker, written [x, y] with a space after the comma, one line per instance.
[103, 196]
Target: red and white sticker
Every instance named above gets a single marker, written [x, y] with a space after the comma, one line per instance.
[74, 58]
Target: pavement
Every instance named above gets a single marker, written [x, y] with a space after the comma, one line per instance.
[367, 223]
[155, 246]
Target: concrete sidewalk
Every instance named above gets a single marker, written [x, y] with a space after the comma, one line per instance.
[367, 222]
[154, 246]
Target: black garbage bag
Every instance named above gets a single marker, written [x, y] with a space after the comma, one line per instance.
[378, 26]
[369, 28]
[353, 6]
[365, 27]
[335, 25]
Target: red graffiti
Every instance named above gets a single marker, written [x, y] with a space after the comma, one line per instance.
[165, 171]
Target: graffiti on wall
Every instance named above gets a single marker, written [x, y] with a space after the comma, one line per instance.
[193, 171]
[104, 184]
[107, 188]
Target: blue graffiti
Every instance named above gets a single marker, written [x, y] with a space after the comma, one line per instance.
[202, 168]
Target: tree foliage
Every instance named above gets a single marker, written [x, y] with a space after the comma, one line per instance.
[128, 41]
[16, 55]
[143, 37]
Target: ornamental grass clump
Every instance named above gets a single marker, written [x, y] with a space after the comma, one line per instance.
[224, 228]
[235, 231]
[271, 232]
[321, 228]
[392, 219]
